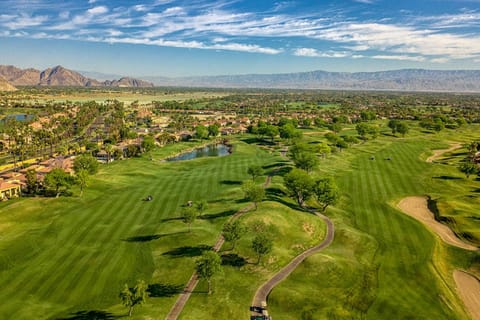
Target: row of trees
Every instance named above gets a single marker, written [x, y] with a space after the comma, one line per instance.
[301, 186]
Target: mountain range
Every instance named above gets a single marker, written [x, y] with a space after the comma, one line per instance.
[395, 80]
[60, 76]
[5, 85]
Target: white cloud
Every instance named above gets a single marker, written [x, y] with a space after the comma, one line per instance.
[24, 21]
[306, 52]
[140, 8]
[310, 52]
[161, 22]
[399, 57]
[252, 48]
[97, 10]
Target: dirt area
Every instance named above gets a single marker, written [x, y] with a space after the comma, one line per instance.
[417, 208]
[438, 153]
[468, 288]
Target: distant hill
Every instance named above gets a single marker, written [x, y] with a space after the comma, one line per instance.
[396, 80]
[5, 85]
[128, 82]
[60, 76]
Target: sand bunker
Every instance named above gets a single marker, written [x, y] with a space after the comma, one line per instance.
[468, 286]
[417, 208]
[438, 153]
[469, 289]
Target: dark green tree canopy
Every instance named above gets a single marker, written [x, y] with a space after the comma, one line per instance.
[299, 185]
[208, 265]
[233, 231]
[253, 192]
[58, 179]
[262, 244]
[86, 162]
[255, 171]
[326, 192]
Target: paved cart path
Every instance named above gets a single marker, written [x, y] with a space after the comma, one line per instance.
[192, 283]
[263, 292]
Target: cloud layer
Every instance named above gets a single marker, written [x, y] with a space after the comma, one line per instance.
[334, 33]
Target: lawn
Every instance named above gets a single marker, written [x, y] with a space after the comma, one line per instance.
[68, 255]
[68, 258]
[382, 263]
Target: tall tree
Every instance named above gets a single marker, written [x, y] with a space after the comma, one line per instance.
[402, 128]
[306, 160]
[85, 162]
[148, 143]
[32, 181]
[233, 231]
[201, 132]
[326, 192]
[57, 179]
[82, 178]
[393, 124]
[253, 192]
[468, 168]
[262, 244]
[213, 130]
[201, 206]
[189, 215]
[109, 150]
[271, 131]
[134, 296]
[299, 185]
[207, 266]
[255, 171]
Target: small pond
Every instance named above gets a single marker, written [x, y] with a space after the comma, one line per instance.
[213, 150]
[19, 117]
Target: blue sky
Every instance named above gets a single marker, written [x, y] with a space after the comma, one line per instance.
[198, 37]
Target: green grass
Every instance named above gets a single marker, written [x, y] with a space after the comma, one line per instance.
[293, 231]
[65, 255]
[382, 263]
[68, 255]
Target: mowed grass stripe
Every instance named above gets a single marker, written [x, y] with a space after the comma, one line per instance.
[111, 259]
[21, 284]
[92, 231]
[78, 261]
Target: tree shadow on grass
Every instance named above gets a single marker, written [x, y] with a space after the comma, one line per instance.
[159, 290]
[212, 216]
[258, 141]
[91, 315]
[231, 182]
[282, 171]
[171, 219]
[233, 259]
[187, 251]
[447, 178]
[274, 192]
[150, 237]
[276, 198]
[275, 165]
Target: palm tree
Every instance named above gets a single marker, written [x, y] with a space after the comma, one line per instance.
[109, 150]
